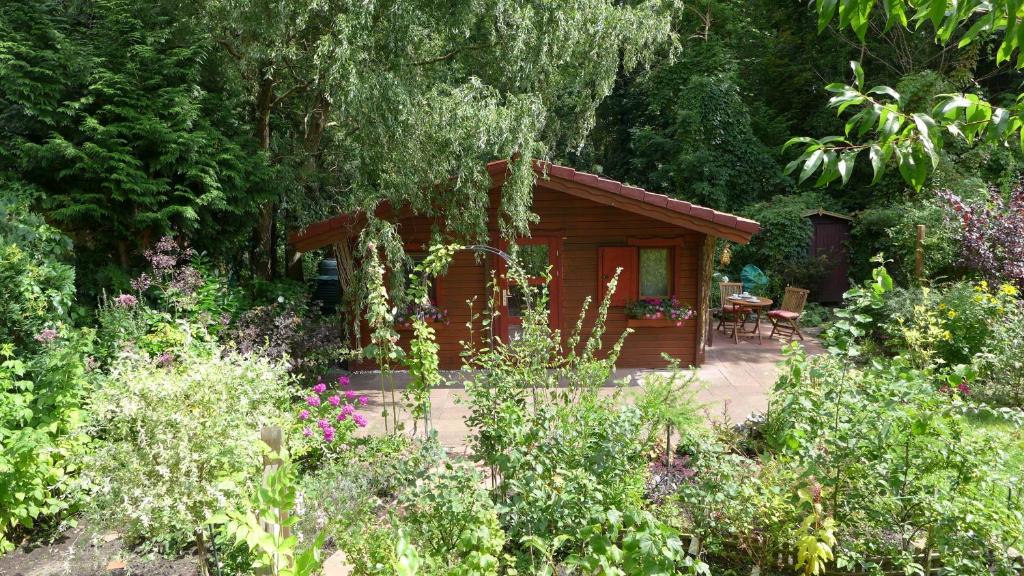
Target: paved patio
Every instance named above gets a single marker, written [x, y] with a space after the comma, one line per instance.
[735, 380]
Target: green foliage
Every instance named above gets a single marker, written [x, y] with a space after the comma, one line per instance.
[262, 529]
[895, 457]
[36, 283]
[861, 314]
[891, 230]
[180, 442]
[634, 542]
[453, 523]
[669, 404]
[684, 128]
[112, 117]
[884, 125]
[42, 432]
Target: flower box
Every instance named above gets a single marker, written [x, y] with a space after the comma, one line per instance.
[407, 326]
[655, 323]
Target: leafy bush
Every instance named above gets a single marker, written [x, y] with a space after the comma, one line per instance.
[993, 234]
[37, 286]
[180, 442]
[1001, 364]
[900, 464]
[891, 230]
[272, 551]
[451, 519]
[42, 435]
[292, 330]
[346, 497]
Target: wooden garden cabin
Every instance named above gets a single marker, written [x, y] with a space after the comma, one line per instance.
[588, 226]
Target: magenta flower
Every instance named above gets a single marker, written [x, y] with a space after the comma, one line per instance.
[126, 300]
[350, 394]
[313, 401]
[46, 336]
[334, 400]
[964, 389]
[360, 420]
[342, 416]
[328, 434]
[165, 359]
[343, 380]
[320, 387]
[323, 423]
[363, 400]
[348, 409]
[307, 432]
[304, 415]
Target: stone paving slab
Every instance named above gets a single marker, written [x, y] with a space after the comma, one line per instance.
[734, 382]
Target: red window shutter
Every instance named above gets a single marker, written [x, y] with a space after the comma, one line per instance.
[609, 259]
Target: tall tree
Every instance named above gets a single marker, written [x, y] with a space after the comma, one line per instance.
[110, 115]
[403, 102]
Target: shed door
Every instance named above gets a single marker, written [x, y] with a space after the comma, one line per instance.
[830, 237]
[611, 258]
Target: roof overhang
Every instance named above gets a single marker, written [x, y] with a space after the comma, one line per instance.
[575, 183]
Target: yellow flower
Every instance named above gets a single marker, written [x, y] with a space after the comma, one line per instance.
[951, 314]
[946, 335]
[1008, 289]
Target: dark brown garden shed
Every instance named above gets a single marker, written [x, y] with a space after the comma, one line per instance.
[829, 239]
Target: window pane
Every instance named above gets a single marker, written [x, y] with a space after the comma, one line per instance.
[534, 259]
[654, 272]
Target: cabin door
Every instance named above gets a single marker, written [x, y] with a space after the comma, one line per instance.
[537, 255]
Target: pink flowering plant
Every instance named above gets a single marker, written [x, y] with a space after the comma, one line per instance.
[328, 414]
[659, 309]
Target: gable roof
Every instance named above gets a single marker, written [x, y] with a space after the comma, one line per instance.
[637, 200]
[823, 212]
[584, 185]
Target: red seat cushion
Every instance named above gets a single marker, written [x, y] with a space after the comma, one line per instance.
[729, 308]
[784, 314]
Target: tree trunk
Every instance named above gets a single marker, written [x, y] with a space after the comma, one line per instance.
[315, 124]
[263, 255]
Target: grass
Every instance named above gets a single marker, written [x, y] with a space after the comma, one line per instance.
[1010, 434]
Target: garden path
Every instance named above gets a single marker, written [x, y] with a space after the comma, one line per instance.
[735, 380]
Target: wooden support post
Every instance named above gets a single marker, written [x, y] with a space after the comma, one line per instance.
[919, 253]
[273, 437]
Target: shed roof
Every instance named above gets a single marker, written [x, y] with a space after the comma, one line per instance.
[582, 184]
[823, 212]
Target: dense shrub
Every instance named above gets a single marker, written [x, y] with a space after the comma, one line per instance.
[450, 518]
[180, 441]
[1000, 363]
[993, 234]
[45, 372]
[900, 465]
[42, 435]
[891, 230]
[37, 286]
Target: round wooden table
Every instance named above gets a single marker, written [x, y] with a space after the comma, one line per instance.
[744, 307]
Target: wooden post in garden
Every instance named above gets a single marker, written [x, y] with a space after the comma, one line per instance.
[273, 437]
[919, 253]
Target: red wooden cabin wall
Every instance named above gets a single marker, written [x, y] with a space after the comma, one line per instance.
[585, 227]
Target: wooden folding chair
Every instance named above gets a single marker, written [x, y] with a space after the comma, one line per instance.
[786, 320]
[728, 310]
